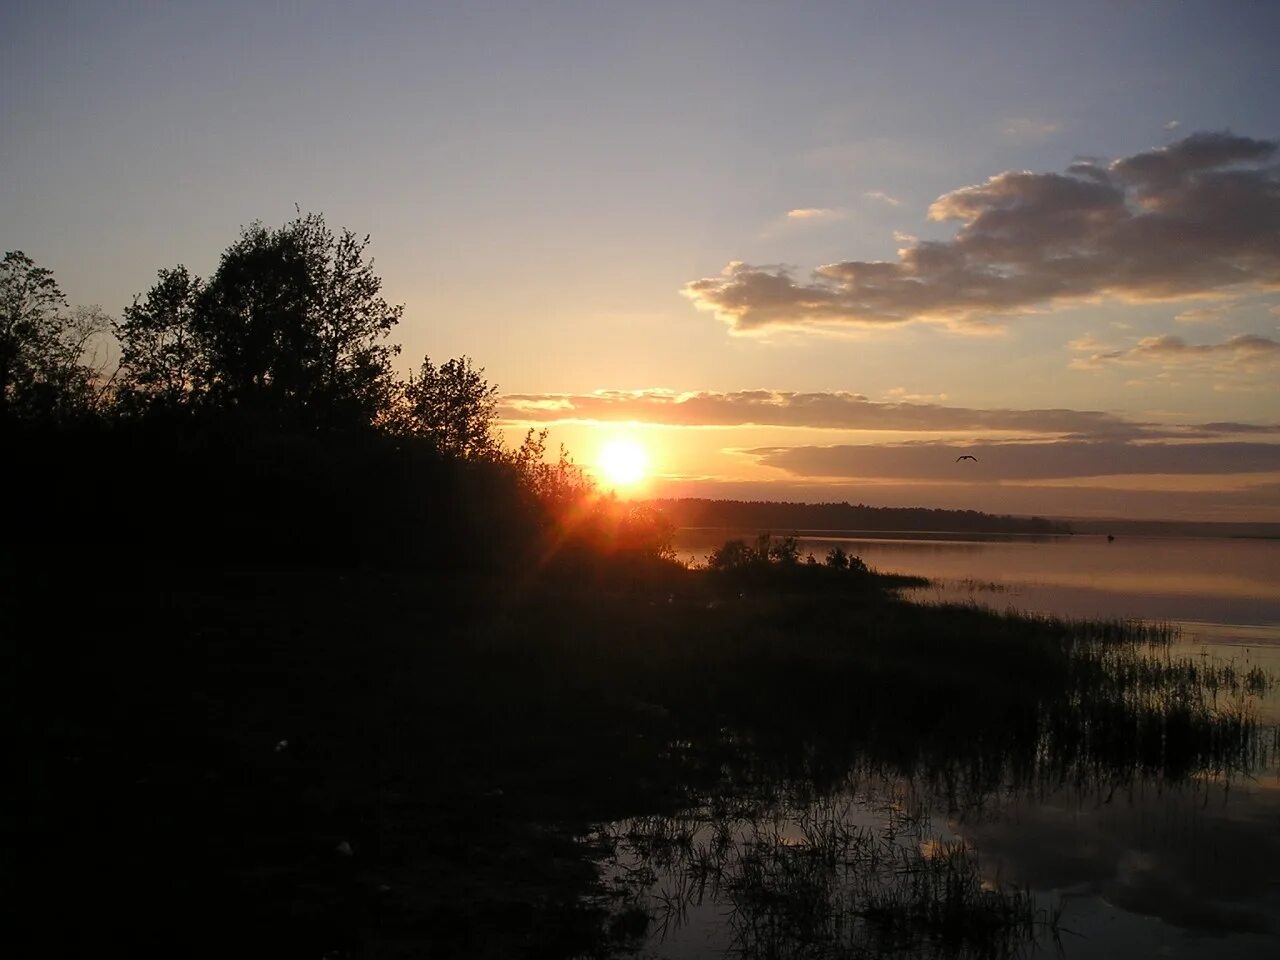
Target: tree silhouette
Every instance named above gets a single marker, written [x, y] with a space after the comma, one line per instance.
[734, 555]
[161, 359]
[451, 406]
[289, 331]
[42, 345]
[764, 515]
[557, 486]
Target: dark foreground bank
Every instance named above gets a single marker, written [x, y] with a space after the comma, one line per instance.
[383, 765]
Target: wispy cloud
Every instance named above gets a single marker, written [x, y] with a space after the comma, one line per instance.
[1246, 353]
[836, 410]
[1027, 130]
[1051, 460]
[1204, 314]
[883, 197]
[1198, 217]
[1088, 342]
[901, 394]
[1232, 427]
[816, 213]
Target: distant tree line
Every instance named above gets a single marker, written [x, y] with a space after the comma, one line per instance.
[255, 417]
[769, 515]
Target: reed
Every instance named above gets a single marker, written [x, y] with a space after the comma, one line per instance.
[804, 881]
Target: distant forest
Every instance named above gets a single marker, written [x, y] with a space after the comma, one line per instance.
[769, 515]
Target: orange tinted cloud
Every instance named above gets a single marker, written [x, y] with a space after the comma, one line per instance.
[1248, 352]
[836, 410]
[815, 213]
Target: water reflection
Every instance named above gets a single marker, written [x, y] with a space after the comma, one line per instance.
[1134, 811]
[1193, 579]
[851, 874]
[875, 869]
[1198, 857]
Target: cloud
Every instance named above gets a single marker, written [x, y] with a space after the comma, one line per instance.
[1192, 219]
[1247, 353]
[883, 197]
[1229, 426]
[834, 410]
[1030, 131]
[1173, 125]
[900, 394]
[1087, 342]
[815, 213]
[997, 461]
[1204, 314]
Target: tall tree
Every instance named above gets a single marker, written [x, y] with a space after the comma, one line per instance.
[42, 344]
[161, 358]
[452, 406]
[290, 329]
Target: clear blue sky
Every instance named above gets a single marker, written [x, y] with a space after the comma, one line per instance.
[542, 180]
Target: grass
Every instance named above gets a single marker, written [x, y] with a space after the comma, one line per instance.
[804, 881]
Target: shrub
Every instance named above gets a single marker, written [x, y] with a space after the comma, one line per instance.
[734, 555]
[786, 551]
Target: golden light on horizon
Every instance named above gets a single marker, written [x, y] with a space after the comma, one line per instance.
[623, 462]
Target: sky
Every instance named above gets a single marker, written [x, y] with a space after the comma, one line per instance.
[810, 251]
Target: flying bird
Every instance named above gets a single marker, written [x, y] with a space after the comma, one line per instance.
[966, 456]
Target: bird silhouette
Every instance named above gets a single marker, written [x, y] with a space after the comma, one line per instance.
[966, 456]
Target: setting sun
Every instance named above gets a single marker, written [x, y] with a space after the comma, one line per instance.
[623, 463]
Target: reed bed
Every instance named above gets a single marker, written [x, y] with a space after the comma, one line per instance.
[807, 881]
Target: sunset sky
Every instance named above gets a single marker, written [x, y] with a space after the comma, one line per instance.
[806, 251]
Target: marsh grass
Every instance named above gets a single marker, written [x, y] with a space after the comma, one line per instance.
[981, 586]
[808, 881]
[951, 708]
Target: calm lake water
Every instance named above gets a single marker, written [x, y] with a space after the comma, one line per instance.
[1189, 868]
[1223, 594]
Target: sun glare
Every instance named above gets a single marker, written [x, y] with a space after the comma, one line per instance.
[623, 463]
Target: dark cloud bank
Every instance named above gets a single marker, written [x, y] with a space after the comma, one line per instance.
[1020, 461]
[1248, 353]
[1199, 216]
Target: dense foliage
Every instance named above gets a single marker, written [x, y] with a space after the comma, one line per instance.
[290, 330]
[43, 373]
[255, 419]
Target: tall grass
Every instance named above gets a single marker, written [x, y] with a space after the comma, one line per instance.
[806, 881]
[957, 709]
